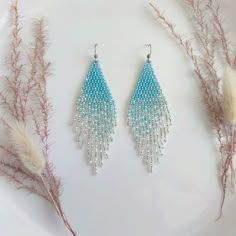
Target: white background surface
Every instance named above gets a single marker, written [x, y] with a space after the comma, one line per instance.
[182, 196]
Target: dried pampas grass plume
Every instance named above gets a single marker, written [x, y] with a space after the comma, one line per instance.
[28, 152]
[229, 96]
[32, 159]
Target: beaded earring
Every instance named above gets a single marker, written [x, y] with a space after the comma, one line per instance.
[95, 116]
[148, 116]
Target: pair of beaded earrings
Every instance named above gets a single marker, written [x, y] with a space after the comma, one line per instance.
[148, 116]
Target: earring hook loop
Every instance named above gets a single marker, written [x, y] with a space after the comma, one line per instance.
[150, 51]
[95, 51]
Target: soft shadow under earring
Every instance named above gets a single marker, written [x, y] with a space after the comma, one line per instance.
[148, 116]
[95, 116]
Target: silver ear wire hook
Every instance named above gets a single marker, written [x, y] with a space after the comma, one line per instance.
[95, 51]
[150, 51]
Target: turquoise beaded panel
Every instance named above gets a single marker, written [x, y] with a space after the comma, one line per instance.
[95, 118]
[149, 117]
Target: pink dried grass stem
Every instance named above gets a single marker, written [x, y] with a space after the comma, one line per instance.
[25, 100]
[16, 65]
[212, 39]
[22, 179]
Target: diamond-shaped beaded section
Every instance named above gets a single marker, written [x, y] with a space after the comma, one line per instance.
[149, 117]
[95, 117]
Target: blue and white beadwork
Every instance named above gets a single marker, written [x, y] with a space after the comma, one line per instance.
[149, 117]
[95, 117]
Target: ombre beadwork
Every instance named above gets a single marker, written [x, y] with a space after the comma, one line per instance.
[149, 117]
[95, 117]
